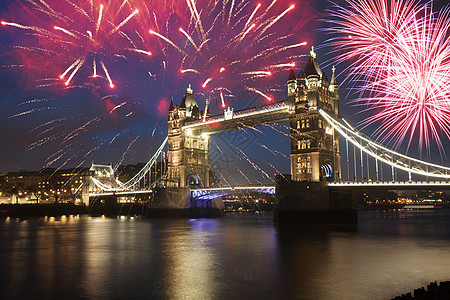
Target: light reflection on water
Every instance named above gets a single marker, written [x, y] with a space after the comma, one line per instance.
[239, 256]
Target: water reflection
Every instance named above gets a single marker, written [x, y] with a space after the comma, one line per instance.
[385, 255]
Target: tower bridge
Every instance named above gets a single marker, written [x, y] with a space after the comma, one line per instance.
[314, 145]
[314, 188]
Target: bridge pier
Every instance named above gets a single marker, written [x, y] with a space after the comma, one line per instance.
[309, 202]
[173, 202]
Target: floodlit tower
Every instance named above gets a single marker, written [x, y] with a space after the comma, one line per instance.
[188, 154]
[314, 144]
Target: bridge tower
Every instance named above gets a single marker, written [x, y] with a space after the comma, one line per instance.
[188, 162]
[314, 144]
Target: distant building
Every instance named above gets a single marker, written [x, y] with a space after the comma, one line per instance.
[44, 186]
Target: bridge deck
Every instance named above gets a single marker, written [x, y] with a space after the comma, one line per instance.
[392, 185]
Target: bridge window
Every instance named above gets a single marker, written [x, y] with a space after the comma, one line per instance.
[320, 123]
[303, 123]
[307, 123]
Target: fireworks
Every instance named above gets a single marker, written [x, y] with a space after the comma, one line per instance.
[82, 34]
[228, 49]
[150, 51]
[400, 57]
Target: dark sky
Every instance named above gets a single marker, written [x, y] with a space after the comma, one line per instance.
[51, 126]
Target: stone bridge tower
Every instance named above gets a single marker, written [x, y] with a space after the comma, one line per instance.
[314, 144]
[188, 162]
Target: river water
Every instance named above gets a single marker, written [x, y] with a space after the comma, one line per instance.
[236, 257]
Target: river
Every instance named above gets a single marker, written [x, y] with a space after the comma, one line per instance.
[236, 257]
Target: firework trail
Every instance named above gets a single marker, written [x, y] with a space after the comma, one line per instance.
[232, 48]
[399, 54]
[74, 37]
[225, 48]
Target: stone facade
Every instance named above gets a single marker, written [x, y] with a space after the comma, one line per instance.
[314, 144]
[188, 161]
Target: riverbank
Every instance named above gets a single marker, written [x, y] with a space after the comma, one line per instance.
[431, 292]
[40, 210]
[110, 210]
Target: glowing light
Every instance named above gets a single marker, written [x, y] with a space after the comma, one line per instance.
[212, 44]
[95, 69]
[141, 51]
[99, 18]
[206, 82]
[376, 151]
[64, 30]
[167, 40]
[189, 70]
[111, 85]
[124, 21]
[189, 38]
[222, 99]
[401, 50]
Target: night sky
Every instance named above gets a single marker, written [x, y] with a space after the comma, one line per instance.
[51, 126]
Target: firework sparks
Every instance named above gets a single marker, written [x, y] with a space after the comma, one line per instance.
[88, 35]
[400, 60]
[228, 48]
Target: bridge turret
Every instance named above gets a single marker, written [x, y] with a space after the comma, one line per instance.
[188, 163]
[334, 86]
[192, 110]
[292, 90]
[334, 89]
[314, 146]
[292, 83]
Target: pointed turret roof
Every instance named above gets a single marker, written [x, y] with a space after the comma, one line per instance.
[312, 68]
[189, 99]
[183, 102]
[291, 75]
[333, 77]
[301, 75]
[171, 107]
[324, 77]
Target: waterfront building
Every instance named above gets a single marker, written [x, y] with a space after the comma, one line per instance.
[45, 186]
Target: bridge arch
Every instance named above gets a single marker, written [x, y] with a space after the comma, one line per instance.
[193, 181]
[326, 170]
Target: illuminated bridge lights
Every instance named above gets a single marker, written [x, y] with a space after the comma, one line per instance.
[240, 114]
[211, 193]
[391, 183]
[385, 155]
[120, 193]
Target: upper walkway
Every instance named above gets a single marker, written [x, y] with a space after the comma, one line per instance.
[250, 117]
